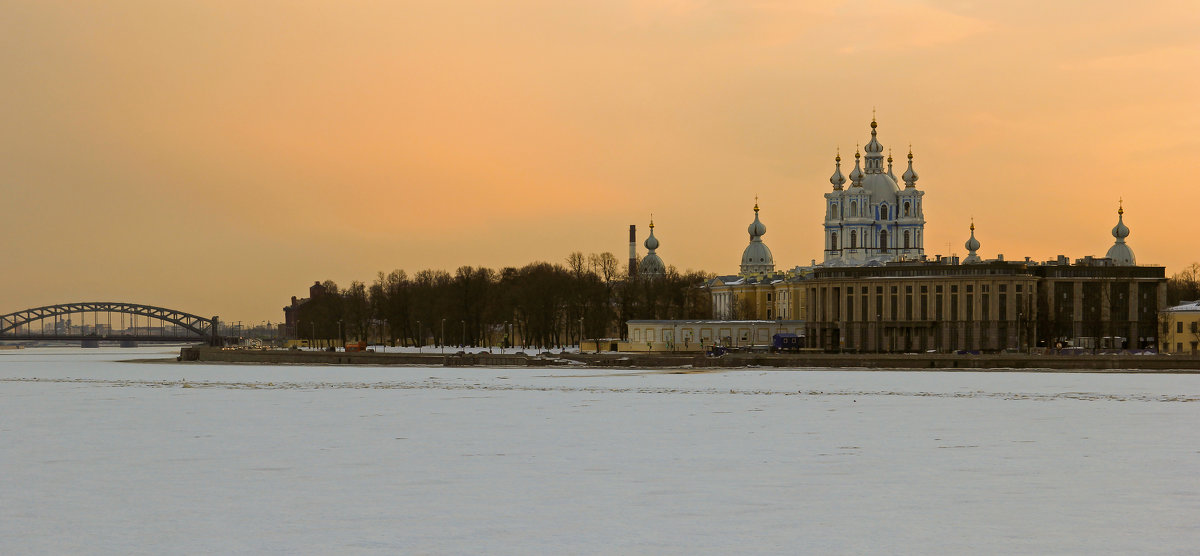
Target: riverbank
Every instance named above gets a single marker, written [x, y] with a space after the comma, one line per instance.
[928, 361]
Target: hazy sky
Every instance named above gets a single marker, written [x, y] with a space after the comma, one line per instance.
[217, 157]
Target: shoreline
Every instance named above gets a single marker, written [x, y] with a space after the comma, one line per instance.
[1148, 364]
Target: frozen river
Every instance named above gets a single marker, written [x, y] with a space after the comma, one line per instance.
[100, 456]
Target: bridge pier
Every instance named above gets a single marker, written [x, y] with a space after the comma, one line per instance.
[128, 343]
[89, 343]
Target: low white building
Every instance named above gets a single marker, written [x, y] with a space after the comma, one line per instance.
[698, 335]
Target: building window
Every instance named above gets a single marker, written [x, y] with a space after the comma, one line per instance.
[883, 246]
[907, 242]
[906, 208]
[1179, 327]
[768, 297]
[853, 208]
[854, 239]
[833, 242]
[883, 212]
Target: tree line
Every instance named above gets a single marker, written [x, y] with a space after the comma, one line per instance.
[1184, 285]
[540, 304]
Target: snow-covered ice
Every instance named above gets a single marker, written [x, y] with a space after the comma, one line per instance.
[101, 456]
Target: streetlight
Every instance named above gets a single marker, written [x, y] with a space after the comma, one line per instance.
[313, 338]
[442, 338]
[421, 339]
[463, 339]
[505, 340]
[341, 340]
[580, 335]
[878, 333]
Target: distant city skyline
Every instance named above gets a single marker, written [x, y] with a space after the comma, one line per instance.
[220, 159]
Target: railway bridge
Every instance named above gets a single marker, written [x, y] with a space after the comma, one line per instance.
[93, 321]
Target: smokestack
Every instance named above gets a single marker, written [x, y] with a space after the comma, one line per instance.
[632, 249]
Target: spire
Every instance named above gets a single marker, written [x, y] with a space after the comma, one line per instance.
[837, 179]
[757, 258]
[651, 242]
[651, 266]
[972, 245]
[910, 176]
[756, 229]
[874, 150]
[1120, 231]
[889, 159]
[1120, 252]
[856, 175]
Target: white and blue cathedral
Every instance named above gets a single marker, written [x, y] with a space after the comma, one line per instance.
[873, 220]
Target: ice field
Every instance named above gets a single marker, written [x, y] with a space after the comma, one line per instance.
[103, 456]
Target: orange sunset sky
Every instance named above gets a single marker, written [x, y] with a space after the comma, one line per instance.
[217, 157]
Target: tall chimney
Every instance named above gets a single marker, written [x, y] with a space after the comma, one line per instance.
[632, 250]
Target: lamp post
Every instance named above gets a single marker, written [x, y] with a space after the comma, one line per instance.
[313, 339]
[341, 340]
[420, 339]
[878, 333]
[442, 338]
[463, 339]
[1020, 331]
[505, 339]
[581, 335]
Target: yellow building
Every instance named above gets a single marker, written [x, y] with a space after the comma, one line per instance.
[767, 296]
[758, 291]
[1181, 328]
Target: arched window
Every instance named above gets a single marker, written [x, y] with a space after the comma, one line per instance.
[906, 208]
[883, 212]
[883, 246]
[906, 241]
[854, 239]
[853, 208]
[833, 242]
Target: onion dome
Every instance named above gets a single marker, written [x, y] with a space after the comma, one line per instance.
[756, 228]
[757, 258]
[651, 242]
[651, 264]
[1120, 231]
[837, 179]
[910, 176]
[856, 175]
[972, 245]
[1120, 253]
[874, 147]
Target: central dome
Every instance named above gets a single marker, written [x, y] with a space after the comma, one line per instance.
[881, 187]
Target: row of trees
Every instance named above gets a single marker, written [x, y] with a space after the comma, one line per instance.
[1184, 285]
[540, 304]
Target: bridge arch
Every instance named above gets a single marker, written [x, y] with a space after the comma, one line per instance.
[197, 325]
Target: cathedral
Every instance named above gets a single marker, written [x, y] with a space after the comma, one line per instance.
[877, 290]
[873, 220]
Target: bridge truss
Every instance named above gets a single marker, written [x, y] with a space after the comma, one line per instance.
[185, 326]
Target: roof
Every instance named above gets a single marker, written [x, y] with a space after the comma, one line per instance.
[1184, 307]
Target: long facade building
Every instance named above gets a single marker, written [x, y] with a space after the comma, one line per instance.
[877, 290]
[987, 306]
